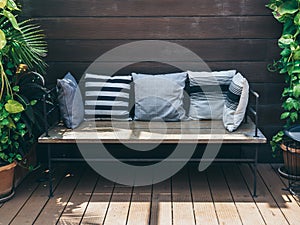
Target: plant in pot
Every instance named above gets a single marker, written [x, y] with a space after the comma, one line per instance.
[287, 12]
[20, 43]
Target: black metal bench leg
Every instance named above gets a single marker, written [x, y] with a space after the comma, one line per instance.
[255, 171]
[50, 172]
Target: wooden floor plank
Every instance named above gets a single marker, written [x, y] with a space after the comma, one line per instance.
[139, 212]
[183, 212]
[161, 208]
[264, 200]
[225, 208]
[205, 212]
[51, 213]
[38, 199]
[243, 199]
[119, 206]
[98, 205]
[220, 195]
[285, 182]
[284, 199]
[24, 191]
[78, 203]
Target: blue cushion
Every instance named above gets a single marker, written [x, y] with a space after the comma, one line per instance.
[159, 97]
[208, 93]
[70, 101]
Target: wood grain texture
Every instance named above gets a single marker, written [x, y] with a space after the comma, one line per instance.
[225, 208]
[52, 211]
[208, 50]
[9, 209]
[242, 198]
[79, 8]
[140, 207]
[98, 204]
[264, 200]
[203, 205]
[161, 207]
[202, 132]
[166, 28]
[192, 191]
[38, 199]
[118, 209]
[80, 199]
[284, 199]
[182, 199]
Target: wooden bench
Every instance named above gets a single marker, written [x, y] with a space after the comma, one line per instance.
[138, 132]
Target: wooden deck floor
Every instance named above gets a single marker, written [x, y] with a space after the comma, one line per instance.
[220, 195]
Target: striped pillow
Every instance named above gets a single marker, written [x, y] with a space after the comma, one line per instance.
[208, 93]
[107, 97]
[236, 102]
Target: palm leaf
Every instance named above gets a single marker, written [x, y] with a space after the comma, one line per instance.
[28, 46]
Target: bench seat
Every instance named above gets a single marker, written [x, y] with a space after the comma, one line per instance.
[190, 132]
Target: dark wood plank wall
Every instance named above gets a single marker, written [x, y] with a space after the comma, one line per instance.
[226, 34]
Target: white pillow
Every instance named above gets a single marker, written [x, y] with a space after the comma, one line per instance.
[208, 93]
[236, 102]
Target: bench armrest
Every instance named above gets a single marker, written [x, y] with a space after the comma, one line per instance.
[48, 109]
[254, 110]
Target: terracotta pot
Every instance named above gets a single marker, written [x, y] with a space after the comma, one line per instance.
[6, 181]
[291, 158]
[21, 170]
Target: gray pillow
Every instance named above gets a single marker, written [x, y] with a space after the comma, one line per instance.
[208, 93]
[159, 97]
[70, 101]
[236, 102]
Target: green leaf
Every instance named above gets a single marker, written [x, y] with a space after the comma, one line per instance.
[2, 40]
[294, 116]
[284, 115]
[19, 157]
[296, 90]
[10, 65]
[12, 19]
[289, 26]
[12, 5]
[3, 4]
[33, 102]
[288, 7]
[285, 40]
[8, 72]
[297, 19]
[16, 88]
[296, 55]
[5, 122]
[12, 106]
[4, 139]
[285, 52]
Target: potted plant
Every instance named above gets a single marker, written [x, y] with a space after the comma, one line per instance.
[20, 42]
[287, 12]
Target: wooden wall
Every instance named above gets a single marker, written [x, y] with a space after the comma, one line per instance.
[226, 34]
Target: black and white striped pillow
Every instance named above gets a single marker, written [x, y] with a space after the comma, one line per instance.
[236, 102]
[107, 97]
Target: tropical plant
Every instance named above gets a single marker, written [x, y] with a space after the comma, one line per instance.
[20, 43]
[287, 12]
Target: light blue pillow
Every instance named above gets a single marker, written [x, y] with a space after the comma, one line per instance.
[208, 92]
[159, 97]
[70, 101]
